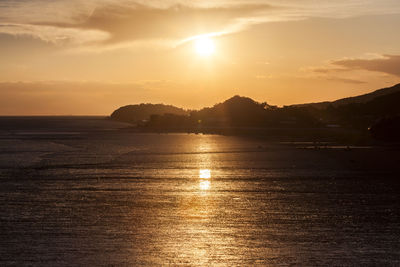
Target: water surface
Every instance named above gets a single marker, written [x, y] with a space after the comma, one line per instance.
[82, 191]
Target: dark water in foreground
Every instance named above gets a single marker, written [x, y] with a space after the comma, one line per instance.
[78, 191]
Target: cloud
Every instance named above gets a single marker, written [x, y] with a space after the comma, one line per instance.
[330, 73]
[111, 22]
[140, 22]
[344, 80]
[389, 64]
[56, 35]
[121, 22]
[323, 70]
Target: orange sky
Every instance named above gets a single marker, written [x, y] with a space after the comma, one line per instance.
[90, 57]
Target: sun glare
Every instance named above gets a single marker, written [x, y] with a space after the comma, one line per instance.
[204, 46]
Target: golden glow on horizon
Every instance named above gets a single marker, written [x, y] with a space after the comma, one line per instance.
[204, 46]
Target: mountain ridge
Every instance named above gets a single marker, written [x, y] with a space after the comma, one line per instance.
[354, 99]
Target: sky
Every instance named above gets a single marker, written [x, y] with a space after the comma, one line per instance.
[89, 57]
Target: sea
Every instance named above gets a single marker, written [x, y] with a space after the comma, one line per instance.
[87, 191]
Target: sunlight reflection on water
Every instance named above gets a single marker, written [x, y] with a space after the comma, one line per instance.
[119, 199]
[204, 175]
[204, 185]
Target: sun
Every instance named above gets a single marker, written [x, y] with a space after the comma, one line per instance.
[204, 46]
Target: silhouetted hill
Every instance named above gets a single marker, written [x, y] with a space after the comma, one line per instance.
[236, 111]
[368, 97]
[141, 112]
[243, 115]
[355, 99]
[363, 114]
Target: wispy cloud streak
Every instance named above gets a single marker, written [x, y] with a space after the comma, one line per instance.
[389, 64]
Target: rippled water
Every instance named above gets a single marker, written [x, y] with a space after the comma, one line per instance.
[81, 192]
